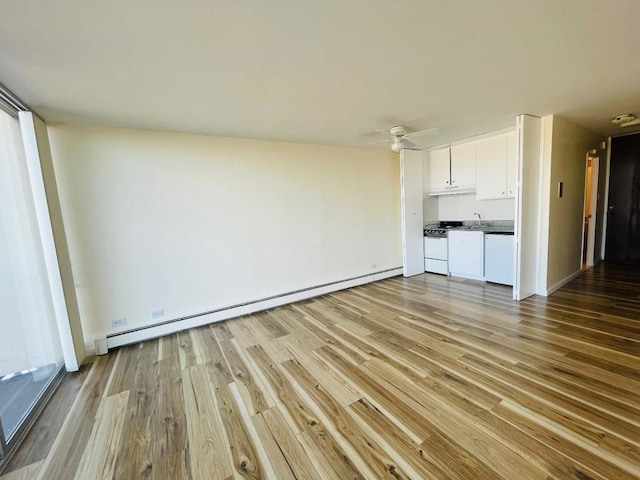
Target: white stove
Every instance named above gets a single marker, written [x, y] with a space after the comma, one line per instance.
[436, 251]
[435, 232]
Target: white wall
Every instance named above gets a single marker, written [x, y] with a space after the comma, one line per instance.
[190, 223]
[462, 207]
[564, 160]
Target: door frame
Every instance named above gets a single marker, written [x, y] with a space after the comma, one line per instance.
[527, 229]
[605, 212]
[592, 188]
[3, 447]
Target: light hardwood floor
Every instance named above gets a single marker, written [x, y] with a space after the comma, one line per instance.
[424, 378]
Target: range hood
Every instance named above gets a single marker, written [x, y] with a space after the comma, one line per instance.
[452, 191]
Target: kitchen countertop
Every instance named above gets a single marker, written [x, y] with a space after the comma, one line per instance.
[486, 229]
[504, 227]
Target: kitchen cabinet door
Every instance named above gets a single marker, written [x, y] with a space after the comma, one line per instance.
[491, 156]
[466, 254]
[439, 170]
[512, 163]
[463, 165]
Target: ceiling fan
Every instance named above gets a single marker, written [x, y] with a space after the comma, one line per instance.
[400, 137]
[626, 120]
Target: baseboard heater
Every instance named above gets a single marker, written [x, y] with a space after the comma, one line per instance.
[147, 332]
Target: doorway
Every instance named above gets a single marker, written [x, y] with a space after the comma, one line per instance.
[623, 211]
[590, 210]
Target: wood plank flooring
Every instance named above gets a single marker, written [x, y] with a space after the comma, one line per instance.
[423, 378]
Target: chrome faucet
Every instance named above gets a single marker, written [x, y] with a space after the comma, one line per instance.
[479, 218]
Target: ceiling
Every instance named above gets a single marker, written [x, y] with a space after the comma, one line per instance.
[327, 72]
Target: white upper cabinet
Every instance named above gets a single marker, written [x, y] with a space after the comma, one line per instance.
[463, 165]
[452, 170]
[492, 167]
[439, 170]
[512, 163]
[497, 161]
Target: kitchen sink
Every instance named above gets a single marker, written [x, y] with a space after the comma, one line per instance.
[483, 227]
[474, 227]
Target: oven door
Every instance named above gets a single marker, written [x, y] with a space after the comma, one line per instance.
[435, 248]
[435, 255]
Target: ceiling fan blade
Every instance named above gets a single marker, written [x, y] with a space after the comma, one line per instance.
[377, 142]
[407, 143]
[428, 131]
[378, 132]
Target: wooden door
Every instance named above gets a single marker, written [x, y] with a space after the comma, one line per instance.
[412, 221]
[623, 216]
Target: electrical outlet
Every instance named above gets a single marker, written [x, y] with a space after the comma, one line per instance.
[157, 313]
[118, 322]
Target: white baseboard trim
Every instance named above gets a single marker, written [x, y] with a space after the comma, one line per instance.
[561, 283]
[168, 327]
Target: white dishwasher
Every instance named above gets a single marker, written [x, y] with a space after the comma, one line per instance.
[499, 258]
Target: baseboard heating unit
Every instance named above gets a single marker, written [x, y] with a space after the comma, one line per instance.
[147, 332]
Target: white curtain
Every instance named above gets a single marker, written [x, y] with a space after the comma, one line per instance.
[28, 332]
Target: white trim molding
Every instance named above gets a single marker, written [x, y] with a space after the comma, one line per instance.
[37, 153]
[561, 283]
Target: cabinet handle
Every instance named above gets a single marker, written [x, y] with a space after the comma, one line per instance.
[502, 193]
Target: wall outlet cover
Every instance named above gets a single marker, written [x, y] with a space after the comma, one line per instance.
[118, 322]
[157, 313]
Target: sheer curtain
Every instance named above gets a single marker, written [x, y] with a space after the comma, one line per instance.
[29, 337]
